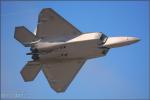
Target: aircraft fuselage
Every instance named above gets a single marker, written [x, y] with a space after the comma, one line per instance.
[85, 46]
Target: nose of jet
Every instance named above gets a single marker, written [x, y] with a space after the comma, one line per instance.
[113, 42]
[133, 39]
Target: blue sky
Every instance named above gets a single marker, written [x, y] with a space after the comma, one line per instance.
[121, 74]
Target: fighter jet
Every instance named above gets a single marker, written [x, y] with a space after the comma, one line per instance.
[59, 49]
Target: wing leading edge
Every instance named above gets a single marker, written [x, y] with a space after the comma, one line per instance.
[60, 74]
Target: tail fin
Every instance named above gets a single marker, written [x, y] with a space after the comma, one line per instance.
[30, 70]
[24, 36]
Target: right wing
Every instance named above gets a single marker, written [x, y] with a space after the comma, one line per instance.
[52, 25]
[60, 73]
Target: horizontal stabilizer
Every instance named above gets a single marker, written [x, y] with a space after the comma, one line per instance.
[24, 36]
[30, 71]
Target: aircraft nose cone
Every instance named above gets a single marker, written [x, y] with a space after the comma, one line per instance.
[133, 39]
[113, 42]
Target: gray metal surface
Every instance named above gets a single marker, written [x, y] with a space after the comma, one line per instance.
[52, 25]
[24, 36]
[60, 50]
[30, 70]
[60, 73]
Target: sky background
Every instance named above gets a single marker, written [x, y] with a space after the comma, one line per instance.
[121, 74]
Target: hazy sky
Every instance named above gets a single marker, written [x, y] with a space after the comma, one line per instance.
[121, 74]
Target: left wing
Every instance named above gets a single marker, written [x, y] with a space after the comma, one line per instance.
[60, 73]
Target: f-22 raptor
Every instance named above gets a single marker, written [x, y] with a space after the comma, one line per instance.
[59, 49]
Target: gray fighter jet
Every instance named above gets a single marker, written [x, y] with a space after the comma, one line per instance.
[60, 49]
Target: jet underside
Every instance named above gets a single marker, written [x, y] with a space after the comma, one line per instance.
[73, 50]
[59, 49]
